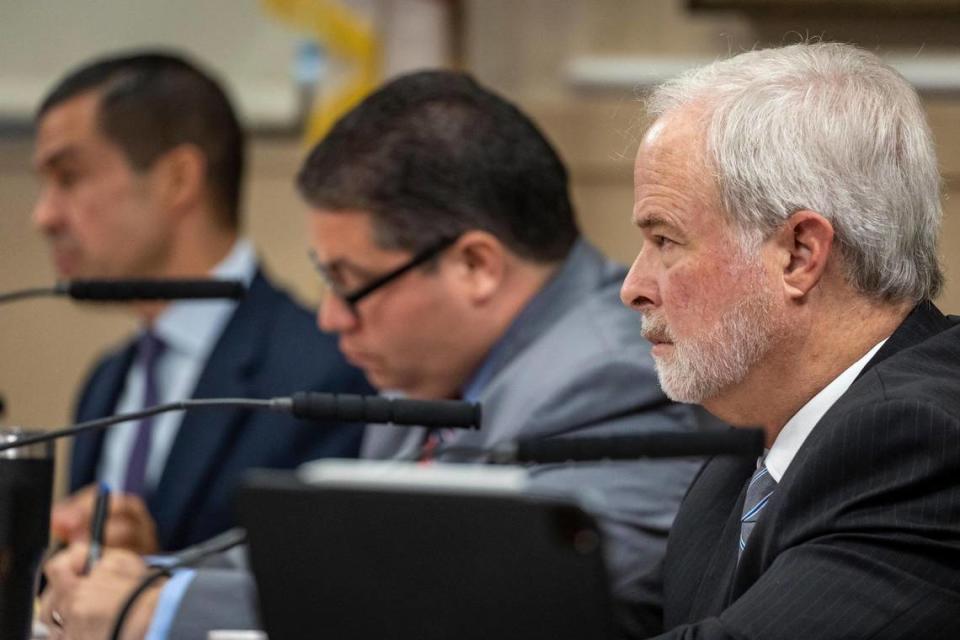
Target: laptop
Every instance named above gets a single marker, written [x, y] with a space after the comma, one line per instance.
[357, 550]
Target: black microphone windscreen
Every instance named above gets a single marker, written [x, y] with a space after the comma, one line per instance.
[667, 444]
[126, 290]
[375, 409]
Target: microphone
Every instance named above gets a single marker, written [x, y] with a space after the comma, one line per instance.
[667, 444]
[124, 290]
[375, 409]
[128, 290]
[318, 407]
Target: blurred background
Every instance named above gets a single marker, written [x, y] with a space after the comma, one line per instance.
[578, 66]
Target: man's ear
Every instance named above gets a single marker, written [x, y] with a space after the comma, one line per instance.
[178, 178]
[805, 241]
[481, 261]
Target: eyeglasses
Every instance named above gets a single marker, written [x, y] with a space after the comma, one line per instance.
[351, 298]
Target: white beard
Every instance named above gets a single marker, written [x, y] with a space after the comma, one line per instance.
[701, 366]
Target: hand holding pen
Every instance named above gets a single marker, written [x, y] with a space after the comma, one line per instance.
[128, 523]
[98, 525]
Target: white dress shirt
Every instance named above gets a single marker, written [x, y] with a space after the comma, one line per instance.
[189, 330]
[800, 426]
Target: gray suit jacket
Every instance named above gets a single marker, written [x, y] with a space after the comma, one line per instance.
[575, 365]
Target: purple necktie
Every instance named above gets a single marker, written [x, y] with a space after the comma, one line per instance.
[149, 349]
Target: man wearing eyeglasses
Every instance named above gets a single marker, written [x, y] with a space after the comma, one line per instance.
[440, 220]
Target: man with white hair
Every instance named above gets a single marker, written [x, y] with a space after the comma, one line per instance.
[789, 205]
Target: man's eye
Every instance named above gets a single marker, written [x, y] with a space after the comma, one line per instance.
[343, 283]
[65, 179]
[329, 278]
[662, 241]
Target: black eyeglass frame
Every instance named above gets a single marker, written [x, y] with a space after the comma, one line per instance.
[353, 298]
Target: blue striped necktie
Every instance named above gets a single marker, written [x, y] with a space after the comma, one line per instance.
[761, 487]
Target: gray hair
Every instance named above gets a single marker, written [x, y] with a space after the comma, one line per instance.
[830, 128]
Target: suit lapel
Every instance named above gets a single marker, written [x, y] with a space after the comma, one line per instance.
[205, 435]
[923, 322]
[714, 592]
[99, 401]
[701, 554]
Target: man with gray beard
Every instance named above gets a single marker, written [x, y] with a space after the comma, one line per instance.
[703, 364]
[789, 205]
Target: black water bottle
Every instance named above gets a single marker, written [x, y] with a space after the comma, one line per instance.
[26, 486]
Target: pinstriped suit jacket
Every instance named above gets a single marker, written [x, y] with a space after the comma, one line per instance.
[862, 537]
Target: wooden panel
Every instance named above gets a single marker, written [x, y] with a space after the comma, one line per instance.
[944, 117]
[523, 49]
[901, 7]
[950, 248]
[598, 138]
[594, 135]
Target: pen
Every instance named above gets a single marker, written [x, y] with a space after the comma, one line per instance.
[97, 526]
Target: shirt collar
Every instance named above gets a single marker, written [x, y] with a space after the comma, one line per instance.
[191, 326]
[795, 432]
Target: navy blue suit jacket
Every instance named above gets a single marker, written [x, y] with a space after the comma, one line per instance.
[270, 347]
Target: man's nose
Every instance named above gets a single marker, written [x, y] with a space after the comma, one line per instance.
[335, 315]
[639, 290]
[47, 211]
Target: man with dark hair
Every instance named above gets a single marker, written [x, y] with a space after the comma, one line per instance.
[435, 167]
[441, 222]
[141, 160]
[150, 103]
[488, 168]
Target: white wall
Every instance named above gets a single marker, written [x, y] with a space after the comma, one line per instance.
[237, 39]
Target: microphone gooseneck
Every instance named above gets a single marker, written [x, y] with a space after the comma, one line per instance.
[319, 407]
[212, 546]
[101, 423]
[23, 294]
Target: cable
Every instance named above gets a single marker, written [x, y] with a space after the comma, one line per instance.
[145, 584]
[190, 556]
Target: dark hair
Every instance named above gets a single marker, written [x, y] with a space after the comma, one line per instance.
[151, 102]
[433, 154]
